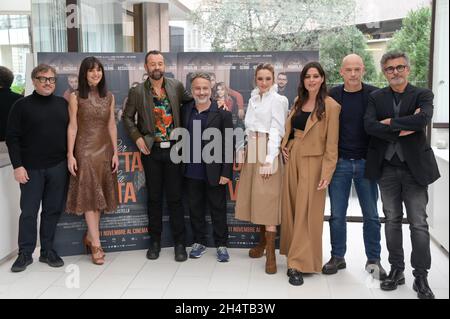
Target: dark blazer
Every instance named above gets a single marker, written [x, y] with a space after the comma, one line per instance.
[140, 101]
[418, 154]
[337, 92]
[220, 119]
[7, 99]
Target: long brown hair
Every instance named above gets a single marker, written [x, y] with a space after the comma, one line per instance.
[303, 94]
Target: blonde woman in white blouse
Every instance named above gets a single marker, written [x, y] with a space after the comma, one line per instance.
[259, 195]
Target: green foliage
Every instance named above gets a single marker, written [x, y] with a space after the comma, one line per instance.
[269, 25]
[414, 39]
[380, 80]
[18, 88]
[273, 25]
[336, 44]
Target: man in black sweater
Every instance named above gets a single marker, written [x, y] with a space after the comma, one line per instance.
[37, 142]
[353, 97]
[7, 98]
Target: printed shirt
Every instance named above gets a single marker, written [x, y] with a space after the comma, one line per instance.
[163, 116]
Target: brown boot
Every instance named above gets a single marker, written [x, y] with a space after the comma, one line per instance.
[258, 250]
[271, 262]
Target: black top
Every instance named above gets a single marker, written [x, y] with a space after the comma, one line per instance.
[353, 139]
[37, 131]
[394, 155]
[397, 96]
[7, 99]
[196, 169]
[299, 121]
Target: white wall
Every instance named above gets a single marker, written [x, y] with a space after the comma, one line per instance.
[438, 202]
[9, 209]
[441, 59]
[381, 10]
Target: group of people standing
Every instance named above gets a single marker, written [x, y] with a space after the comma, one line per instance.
[355, 132]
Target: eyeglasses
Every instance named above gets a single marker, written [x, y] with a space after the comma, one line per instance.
[400, 68]
[43, 79]
[262, 79]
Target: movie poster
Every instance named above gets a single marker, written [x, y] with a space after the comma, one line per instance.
[233, 82]
[127, 227]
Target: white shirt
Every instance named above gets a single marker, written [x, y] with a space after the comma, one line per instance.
[267, 115]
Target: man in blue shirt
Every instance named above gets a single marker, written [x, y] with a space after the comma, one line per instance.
[207, 173]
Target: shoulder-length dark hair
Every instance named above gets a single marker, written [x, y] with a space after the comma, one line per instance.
[87, 64]
[303, 94]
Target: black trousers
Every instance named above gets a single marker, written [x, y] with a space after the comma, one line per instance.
[398, 187]
[49, 187]
[163, 177]
[199, 194]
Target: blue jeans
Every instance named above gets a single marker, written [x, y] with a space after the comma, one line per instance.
[339, 190]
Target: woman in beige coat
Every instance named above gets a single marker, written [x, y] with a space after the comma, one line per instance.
[310, 149]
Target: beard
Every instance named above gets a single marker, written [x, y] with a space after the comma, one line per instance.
[201, 100]
[397, 81]
[156, 75]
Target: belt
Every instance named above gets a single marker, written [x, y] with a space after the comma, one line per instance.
[253, 134]
[351, 158]
[164, 145]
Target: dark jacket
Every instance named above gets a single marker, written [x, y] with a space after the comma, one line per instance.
[419, 156]
[140, 101]
[7, 99]
[221, 120]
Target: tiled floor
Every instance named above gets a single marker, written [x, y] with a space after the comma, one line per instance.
[131, 275]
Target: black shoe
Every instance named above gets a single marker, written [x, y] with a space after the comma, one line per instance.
[295, 277]
[421, 287]
[395, 278]
[51, 258]
[375, 268]
[21, 263]
[333, 265]
[180, 252]
[154, 250]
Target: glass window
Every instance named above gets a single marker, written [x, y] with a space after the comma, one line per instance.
[18, 21]
[49, 25]
[15, 45]
[4, 22]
